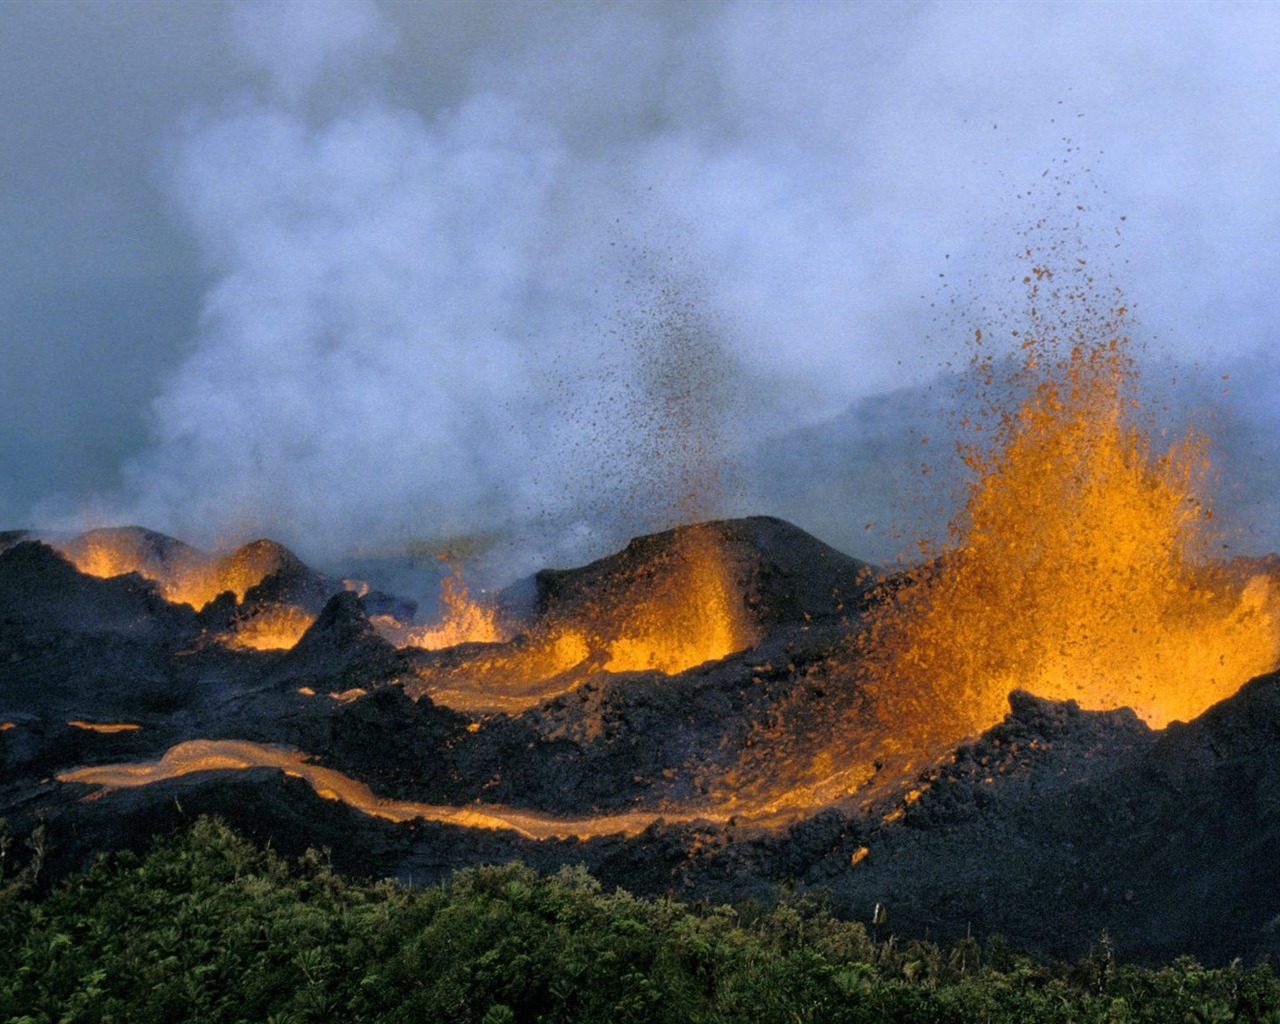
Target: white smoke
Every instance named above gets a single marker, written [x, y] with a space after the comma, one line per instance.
[367, 329]
[297, 42]
[413, 325]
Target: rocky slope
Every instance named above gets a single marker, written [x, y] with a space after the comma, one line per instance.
[1049, 827]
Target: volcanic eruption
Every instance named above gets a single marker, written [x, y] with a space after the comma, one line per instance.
[728, 686]
[1080, 568]
[1082, 564]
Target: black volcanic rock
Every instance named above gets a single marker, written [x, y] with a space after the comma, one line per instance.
[784, 573]
[1050, 826]
[43, 591]
[8, 538]
[1057, 824]
[793, 575]
[341, 650]
[644, 738]
[218, 615]
[399, 746]
[76, 647]
[1242, 731]
[378, 602]
[1207, 857]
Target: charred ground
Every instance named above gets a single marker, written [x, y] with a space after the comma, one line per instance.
[1048, 827]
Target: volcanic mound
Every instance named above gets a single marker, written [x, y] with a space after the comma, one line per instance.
[687, 715]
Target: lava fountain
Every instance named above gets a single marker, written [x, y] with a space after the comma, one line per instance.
[462, 620]
[667, 603]
[680, 608]
[1079, 568]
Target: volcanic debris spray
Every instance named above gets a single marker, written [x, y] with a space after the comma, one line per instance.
[460, 619]
[1080, 567]
[658, 426]
[685, 607]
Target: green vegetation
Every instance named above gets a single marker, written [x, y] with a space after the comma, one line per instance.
[207, 927]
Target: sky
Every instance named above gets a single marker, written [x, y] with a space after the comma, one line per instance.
[350, 274]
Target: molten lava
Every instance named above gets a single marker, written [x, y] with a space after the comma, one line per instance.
[184, 575]
[278, 627]
[221, 755]
[1079, 567]
[680, 611]
[104, 727]
[98, 556]
[462, 620]
[673, 608]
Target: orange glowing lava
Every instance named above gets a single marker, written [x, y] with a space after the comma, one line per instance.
[345, 697]
[274, 628]
[680, 612]
[215, 755]
[114, 551]
[104, 727]
[462, 620]
[511, 677]
[104, 559]
[183, 574]
[1078, 569]
[672, 607]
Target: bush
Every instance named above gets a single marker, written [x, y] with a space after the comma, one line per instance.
[208, 927]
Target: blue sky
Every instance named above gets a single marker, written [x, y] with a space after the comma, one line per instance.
[346, 273]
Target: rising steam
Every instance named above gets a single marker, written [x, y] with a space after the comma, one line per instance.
[421, 220]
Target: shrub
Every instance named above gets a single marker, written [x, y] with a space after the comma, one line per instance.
[209, 928]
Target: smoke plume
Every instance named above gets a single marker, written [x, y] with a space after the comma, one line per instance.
[431, 310]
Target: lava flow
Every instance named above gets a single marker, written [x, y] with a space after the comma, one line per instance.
[221, 755]
[670, 609]
[104, 727]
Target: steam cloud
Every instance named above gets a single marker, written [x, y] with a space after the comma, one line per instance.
[427, 317]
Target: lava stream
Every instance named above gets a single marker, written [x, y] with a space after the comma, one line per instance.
[221, 755]
[104, 727]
